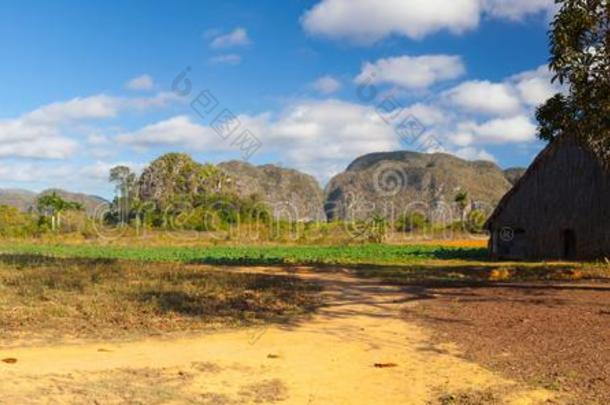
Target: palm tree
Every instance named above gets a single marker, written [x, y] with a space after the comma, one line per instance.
[53, 205]
[461, 199]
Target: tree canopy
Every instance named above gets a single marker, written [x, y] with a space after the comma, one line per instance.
[54, 204]
[177, 176]
[580, 60]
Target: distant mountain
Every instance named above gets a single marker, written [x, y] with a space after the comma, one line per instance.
[20, 199]
[514, 174]
[393, 183]
[290, 193]
[374, 183]
[25, 200]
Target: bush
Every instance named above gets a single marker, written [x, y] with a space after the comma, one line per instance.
[14, 223]
[412, 222]
[475, 221]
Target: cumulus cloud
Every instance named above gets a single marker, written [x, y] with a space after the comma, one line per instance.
[515, 95]
[237, 37]
[318, 137]
[535, 86]
[55, 147]
[478, 113]
[485, 97]
[321, 137]
[326, 85]
[515, 129]
[21, 172]
[412, 72]
[43, 132]
[368, 21]
[143, 82]
[179, 130]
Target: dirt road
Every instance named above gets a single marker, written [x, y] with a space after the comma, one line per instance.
[355, 350]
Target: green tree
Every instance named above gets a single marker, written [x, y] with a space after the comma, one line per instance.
[475, 221]
[53, 205]
[377, 229]
[412, 222]
[177, 177]
[124, 179]
[461, 199]
[126, 204]
[580, 60]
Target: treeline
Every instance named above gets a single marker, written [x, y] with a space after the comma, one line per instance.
[176, 194]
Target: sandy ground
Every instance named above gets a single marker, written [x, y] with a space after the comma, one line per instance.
[331, 358]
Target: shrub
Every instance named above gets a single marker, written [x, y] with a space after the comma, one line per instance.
[475, 221]
[14, 223]
[412, 222]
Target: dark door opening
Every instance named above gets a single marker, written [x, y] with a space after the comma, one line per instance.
[569, 244]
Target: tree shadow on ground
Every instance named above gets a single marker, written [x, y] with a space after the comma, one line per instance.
[478, 254]
[38, 260]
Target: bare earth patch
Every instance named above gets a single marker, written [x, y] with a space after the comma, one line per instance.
[549, 334]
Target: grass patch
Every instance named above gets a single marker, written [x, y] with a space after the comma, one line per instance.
[80, 297]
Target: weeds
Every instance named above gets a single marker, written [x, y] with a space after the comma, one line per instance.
[106, 298]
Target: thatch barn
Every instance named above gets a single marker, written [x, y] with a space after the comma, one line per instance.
[559, 209]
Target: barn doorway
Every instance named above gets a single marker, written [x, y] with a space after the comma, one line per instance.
[569, 244]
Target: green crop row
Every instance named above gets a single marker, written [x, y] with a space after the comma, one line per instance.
[254, 255]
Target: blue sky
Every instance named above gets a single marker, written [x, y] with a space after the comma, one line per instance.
[87, 85]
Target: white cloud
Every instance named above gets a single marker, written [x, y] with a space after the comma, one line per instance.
[322, 137]
[485, 97]
[316, 136]
[515, 129]
[412, 72]
[227, 59]
[179, 130]
[368, 21]
[237, 37]
[20, 172]
[470, 153]
[428, 115]
[143, 82]
[79, 108]
[44, 132]
[100, 170]
[515, 95]
[326, 85]
[478, 113]
[518, 9]
[535, 86]
[55, 147]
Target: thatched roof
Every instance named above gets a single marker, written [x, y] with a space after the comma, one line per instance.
[536, 164]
